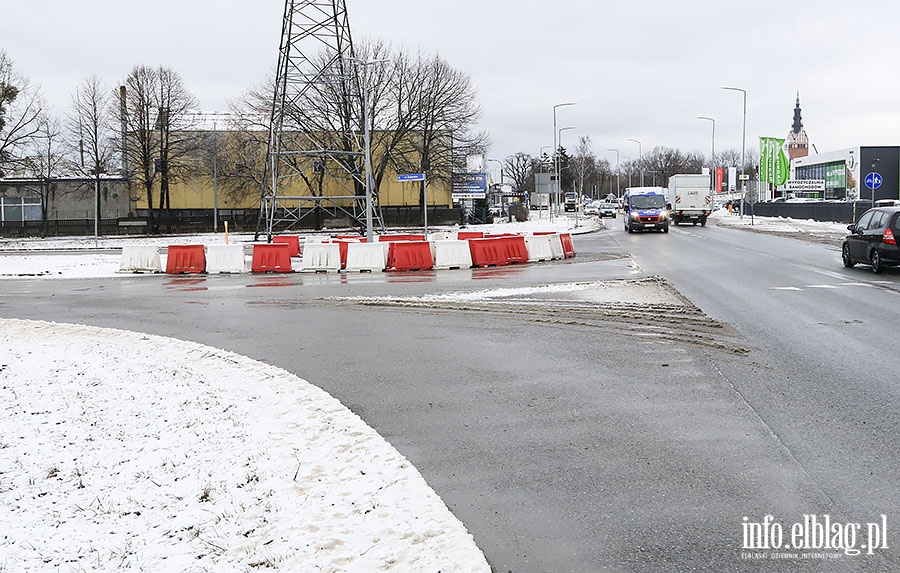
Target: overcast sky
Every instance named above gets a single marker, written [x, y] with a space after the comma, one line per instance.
[638, 69]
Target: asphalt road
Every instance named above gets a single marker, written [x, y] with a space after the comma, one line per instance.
[575, 436]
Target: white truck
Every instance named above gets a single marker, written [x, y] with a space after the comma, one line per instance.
[689, 198]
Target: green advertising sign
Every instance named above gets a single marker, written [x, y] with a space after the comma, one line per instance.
[774, 165]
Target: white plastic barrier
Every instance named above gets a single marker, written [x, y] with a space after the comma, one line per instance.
[225, 259]
[441, 236]
[451, 254]
[321, 257]
[140, 259]
[372, 257]
[556, 246]
[539, 248]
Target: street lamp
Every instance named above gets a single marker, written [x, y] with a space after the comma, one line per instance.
[640, 159]
[618, 188]
[367, 139]
[558, 174]
[743, 133]
[555, 148]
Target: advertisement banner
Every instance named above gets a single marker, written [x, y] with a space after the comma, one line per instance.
[732, 179]
[774, 165]
[720, 179]
[468, 186]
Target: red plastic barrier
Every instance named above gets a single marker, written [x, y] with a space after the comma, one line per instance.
[392, 238]
[498, 251]
[351, 238]
[273, 258]
[185, 259]
[567, 245]
[516, 250]
[292, 240]
[466, 235]
[495, 235]
[343, 245]
[544, 233]
[410, 256]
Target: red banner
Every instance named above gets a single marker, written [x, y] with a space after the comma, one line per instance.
[720, 178]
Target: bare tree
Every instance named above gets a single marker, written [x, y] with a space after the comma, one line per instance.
[519, 169]
[90, 132]
[421, 117]
[156, 110]
[584, 163]
[45, 161]
[22, 114]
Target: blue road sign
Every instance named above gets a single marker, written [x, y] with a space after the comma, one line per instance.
[873, 180]
[411, 177]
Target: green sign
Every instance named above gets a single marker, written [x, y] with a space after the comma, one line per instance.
[774, 165]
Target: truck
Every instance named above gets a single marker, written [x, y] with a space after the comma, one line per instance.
[689, 198]
[571, 201]
[645, 208]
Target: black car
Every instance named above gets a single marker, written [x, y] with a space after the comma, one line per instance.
[873, 239]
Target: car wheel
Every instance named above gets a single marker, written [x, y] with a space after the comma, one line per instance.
[845, 255]
[877, 265]
[666, 229]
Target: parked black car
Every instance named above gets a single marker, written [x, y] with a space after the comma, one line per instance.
[873, 239]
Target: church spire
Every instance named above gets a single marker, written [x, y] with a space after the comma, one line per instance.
[797, 140]
[797, 127]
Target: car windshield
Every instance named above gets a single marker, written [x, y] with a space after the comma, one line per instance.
[647, 201]
[608, 205]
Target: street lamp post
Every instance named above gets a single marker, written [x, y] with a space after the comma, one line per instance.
[640, 159]
[555, 149]
[743, 137]
[499, 195]
[559, 174]
[618, 187]
[367, 143]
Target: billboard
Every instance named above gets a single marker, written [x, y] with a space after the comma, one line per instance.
[468, 186]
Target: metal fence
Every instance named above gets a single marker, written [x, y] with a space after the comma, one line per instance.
[825, 211]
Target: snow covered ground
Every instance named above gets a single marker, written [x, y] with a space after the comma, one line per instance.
[183, 457]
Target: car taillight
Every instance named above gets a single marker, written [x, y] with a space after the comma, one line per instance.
[888, 237]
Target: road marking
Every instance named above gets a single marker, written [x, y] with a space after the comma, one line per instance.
[821, 286]
[786, 288]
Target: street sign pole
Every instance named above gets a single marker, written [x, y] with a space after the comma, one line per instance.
[419, 177]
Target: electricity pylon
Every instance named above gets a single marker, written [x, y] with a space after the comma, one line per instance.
[315, 156]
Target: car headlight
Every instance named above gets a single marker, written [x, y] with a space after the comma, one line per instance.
[663, 215]
[634, 215]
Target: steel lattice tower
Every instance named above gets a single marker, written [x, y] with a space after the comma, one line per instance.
[315, 131]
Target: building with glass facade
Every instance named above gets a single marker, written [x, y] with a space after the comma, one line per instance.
[845, 173]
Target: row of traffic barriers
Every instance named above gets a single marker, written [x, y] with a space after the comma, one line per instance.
[353, 254]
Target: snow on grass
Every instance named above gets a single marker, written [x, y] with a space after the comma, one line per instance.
[124, 450]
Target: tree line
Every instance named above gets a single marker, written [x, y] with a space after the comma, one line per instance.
[588, 175]
[422, 116]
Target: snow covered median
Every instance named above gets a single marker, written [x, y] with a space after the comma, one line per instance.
[125, 450]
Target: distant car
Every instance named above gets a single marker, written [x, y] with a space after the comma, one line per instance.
[592, 208]
[608, 210]
[873, 239]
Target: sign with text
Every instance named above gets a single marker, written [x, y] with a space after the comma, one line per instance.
[774, 165]
[411, 177]
[805, 185]
[468, 186]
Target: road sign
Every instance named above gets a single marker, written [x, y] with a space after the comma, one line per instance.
[873, 180]
[411, 177]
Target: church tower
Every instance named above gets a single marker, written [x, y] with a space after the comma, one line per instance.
[797, 141]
